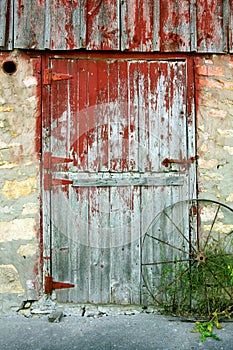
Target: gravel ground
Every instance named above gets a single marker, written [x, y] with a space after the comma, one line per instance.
[140, 331]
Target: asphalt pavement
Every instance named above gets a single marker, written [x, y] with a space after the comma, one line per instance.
[139, 331]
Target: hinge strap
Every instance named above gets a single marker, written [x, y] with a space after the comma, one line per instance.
[50, 76]
[49, 182]
[168, 161]
[50, 285]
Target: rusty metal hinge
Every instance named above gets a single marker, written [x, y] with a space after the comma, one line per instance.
[166, 162]
[49, 160]
[49, 181]
[50, 285]
[49, 76]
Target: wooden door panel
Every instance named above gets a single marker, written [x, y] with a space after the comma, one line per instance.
[112, 124]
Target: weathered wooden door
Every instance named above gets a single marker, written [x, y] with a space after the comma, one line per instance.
[118, 136]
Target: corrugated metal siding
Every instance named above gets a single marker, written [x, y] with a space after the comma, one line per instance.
[132, 25]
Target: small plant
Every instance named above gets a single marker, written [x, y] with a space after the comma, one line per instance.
[206, 328]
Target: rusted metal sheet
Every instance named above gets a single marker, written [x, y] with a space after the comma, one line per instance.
[118, 118]
[145, 25]
[6, 24]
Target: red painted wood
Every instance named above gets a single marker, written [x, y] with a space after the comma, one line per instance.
[140, 25]
[117, 119]
[210, 26]
[231, 27]
[103, 31]
[175, 24]
[132, 25]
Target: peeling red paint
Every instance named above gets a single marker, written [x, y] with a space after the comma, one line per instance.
[132, 25]
[209, 23]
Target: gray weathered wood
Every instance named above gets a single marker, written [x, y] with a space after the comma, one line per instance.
[3, 13]
[143, 181]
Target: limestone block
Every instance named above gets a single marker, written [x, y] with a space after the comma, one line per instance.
[18, 229]
[9, 280]
[27, 250]
[16, 189]
[30, 208]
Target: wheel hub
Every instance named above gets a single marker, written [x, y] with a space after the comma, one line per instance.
[200, 258]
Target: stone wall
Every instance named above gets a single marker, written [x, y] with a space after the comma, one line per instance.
[20, 275]
[214, 97]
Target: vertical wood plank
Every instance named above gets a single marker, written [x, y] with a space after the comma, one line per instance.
[211, 34]
[103, 25]
[3, 16]
[140, 25]
[65, 27]
[133, 114]
[103, 115]
[175, 25]
[155, 101]
[6, 24]
[231, 27]
[29, 24]
[144, 112]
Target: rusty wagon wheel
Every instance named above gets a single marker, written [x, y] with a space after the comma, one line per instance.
[187, 258]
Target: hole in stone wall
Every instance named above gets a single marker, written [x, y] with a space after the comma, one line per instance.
[9, 67]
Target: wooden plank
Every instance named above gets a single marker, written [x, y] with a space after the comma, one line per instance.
[103, 116]
[48, 24]
[3, 16]
[133, 181]
[6, 24]
[175, 25]
[65, 25]
[29, 24]
[177, 143]
[231, 27]
[103, 25]
[140, 25]
[211, 36]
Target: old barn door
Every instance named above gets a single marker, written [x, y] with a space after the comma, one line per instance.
[118, 148]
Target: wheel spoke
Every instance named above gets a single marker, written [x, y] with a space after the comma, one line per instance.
[169, 244]
[186, 264]
[211, 228]
[174, 280]
[219, 282]
[179, 230]
[165, 262]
